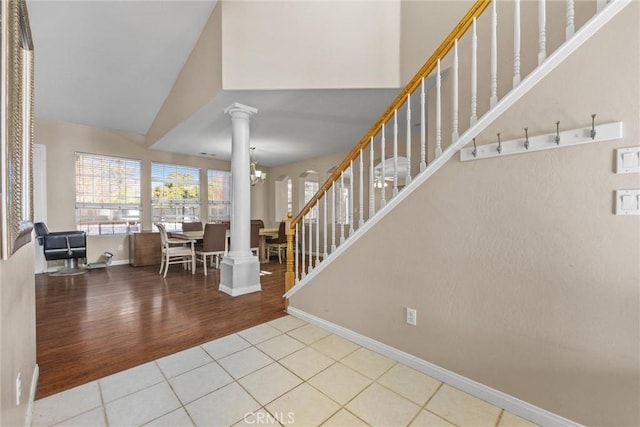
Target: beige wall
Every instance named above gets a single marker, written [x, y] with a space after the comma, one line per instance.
[17, 332]
[199, 81]
[425, 24]
[522, 277]
[64, 139]
[304, 45]
[296, 171]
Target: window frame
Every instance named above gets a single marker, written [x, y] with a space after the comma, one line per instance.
[114, 223]
[215, 204]
[161, 207]
[312, 216]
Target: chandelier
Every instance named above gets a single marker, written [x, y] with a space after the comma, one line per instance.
[257, 176]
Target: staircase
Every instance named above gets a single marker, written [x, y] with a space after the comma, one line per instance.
[441, 110]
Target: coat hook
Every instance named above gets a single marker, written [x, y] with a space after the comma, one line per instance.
[526, 138]
[558, 133]
[475, 150]
[593, 126]
[499, 144]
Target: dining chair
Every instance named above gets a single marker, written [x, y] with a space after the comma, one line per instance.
[258, 221]
[255, 237]
[192, 226]
[278, 244]
[213, 244]
[175, 251]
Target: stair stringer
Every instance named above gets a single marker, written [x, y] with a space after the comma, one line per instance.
[538, 74]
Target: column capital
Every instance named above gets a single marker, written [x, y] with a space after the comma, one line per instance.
[237, 108]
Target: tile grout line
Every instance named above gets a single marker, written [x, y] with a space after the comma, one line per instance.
[431, 412]
[334, 362]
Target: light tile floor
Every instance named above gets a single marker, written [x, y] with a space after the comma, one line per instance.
[284, 372]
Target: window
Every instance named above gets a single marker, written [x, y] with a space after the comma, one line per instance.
[219, 195]
[107, 194]
[310, 189]
[283, 198]
[175, 195]
[342, 203]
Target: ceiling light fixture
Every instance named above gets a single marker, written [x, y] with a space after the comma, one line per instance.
[256, 176]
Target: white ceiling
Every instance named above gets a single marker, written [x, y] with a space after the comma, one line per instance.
[110, 64]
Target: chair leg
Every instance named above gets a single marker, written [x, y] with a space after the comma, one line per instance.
[166, 267]
[161, 264]
[204, 263]
[193, 263]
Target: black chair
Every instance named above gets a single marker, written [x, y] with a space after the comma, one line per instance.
[66, 245]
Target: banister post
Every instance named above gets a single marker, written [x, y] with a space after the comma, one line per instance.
[289, 276]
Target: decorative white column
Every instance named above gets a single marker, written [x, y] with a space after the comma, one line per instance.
[240, 269]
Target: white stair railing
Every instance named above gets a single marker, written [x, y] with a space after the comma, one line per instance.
[384, 179]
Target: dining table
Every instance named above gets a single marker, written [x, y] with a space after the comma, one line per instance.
[265, 233]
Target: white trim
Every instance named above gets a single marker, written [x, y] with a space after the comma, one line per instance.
[32, 395]
[39, 200]
[582, 35]
[237, 292]
[568, 138]
[512, 404]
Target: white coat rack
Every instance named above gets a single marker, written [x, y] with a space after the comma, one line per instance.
[558, 139]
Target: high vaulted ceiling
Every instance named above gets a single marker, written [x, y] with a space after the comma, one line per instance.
[111, 64]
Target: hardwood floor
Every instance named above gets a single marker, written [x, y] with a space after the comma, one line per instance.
[112, 319]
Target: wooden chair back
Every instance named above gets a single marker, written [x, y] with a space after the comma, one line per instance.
[214, 238]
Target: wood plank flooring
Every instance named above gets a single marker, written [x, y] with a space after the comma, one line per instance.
[112, 319]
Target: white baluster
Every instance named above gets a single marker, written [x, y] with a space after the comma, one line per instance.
[383, 200]
[325, 198]
[361, 192]
[454, 109]
[474, 75]
[372, 194]
[318, 234]
[395, 153]
[310, 242]
[494, 56]
[333, 216]
[407, 179]
[571, 27]
[542, 31]
[295, 252]
[342, 208]
[351, 178]
[516, 43]
[423, 129]
[304, 249]
[438, 151]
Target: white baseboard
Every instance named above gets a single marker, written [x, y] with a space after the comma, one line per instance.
[32, 395]
[512, 404]
[237, 292]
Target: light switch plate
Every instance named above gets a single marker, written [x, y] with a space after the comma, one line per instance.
[628, 202]
[628, 160]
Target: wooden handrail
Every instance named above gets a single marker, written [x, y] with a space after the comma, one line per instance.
[458, 31]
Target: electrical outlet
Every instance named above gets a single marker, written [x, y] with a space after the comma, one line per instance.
[412, 316]
[18, 389]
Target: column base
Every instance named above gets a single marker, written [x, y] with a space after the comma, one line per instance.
[240, 275]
